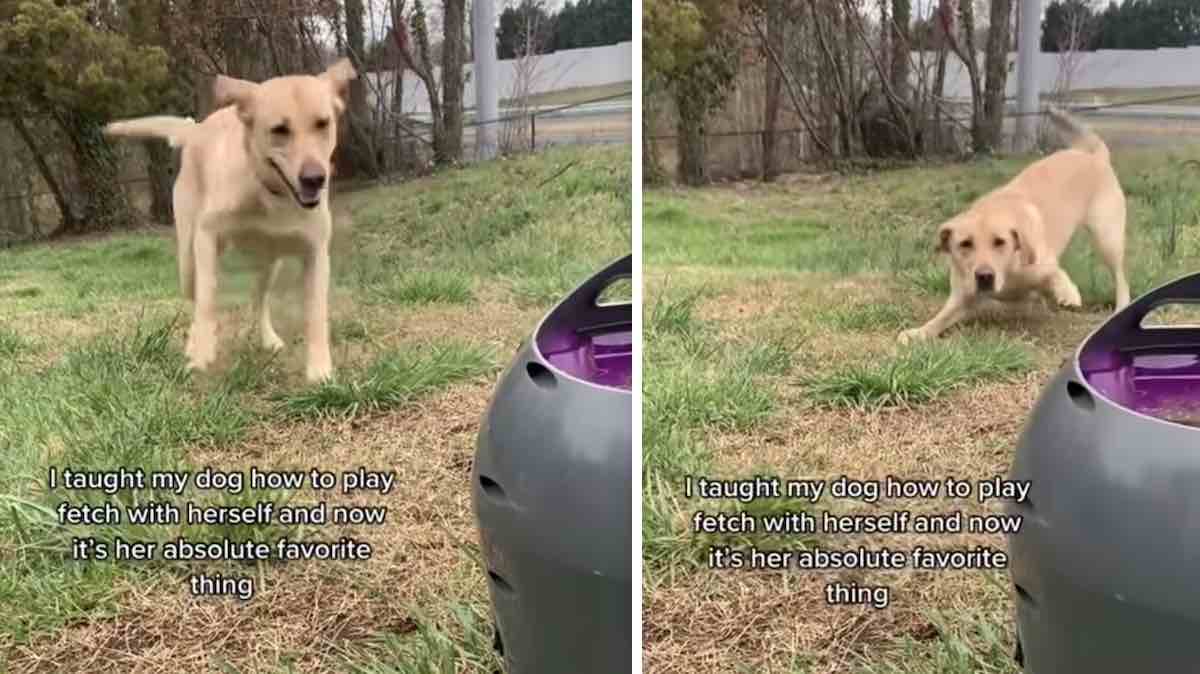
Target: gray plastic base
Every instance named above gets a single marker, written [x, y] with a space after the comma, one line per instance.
[1107, 563]
[552, 492]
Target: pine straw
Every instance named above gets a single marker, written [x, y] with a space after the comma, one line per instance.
[312, 613]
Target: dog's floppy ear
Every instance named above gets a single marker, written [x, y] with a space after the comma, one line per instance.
[1028, 256]
[232, 91]
[944, 233]
[1023, 241]
[339, 75]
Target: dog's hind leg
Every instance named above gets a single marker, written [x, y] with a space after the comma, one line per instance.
[262, 304]
[183, 201]
[1106, 223]
[187, 265]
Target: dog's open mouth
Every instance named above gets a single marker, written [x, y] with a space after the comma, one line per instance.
[307, 199]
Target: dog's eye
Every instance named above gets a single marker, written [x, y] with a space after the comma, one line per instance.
[280, 130]
[967, 244]
[322, 124]
[999, 242]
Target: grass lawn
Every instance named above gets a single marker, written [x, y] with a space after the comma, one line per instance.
[771, 317]
[1092, 96]
[577, 94]
[436, 281]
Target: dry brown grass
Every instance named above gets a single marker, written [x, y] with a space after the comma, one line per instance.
[704, 621]
[313, 613]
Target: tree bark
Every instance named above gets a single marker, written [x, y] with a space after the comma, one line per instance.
[939, 90]
[452, 81]
[996, 67]
[966, 53]
[692, 144]
[362, 154]
[901, 15]
[774, 18]
[66, 215]
[160, 170]
[105, 205]
[419, 62]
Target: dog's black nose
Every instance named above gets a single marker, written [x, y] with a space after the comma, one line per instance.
[312, 180]
[985, 280]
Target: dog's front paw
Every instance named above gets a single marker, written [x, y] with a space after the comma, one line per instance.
[1069, 300]
[198, 364]
[201, 348]
[272, 342]
[318, 373]
[912, 336]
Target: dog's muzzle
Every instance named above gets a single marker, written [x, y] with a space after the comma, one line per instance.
[311, 182]
[985, 280]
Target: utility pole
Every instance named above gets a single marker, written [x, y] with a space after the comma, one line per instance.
[1029, 43]
[483, 24]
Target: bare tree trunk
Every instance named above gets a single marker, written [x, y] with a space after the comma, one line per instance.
[901, 15]
[159, 169]
[938, 93]
[774, 19]
[452, 81]
[66, 215]
[692, 144]
[362, 152]
[996, 66]
[651, 169]
[966, 53]
[420, 63]
[105, 205]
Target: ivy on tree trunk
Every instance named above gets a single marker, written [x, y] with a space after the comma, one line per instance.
[105, 206]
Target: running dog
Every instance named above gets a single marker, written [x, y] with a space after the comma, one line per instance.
[255, 174]
[1007, 244]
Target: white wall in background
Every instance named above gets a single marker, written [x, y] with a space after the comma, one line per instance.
[1115, 69]
[567, 69]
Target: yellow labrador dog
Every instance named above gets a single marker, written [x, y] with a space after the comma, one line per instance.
[255, 174]
[1007, 244]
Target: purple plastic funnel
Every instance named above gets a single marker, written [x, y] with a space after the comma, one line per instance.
[1150, 370]
[590, 341]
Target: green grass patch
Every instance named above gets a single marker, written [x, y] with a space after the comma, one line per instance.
[122, 399]
[12, 344]
[691, 397]
[694, 383]
[674, 312]
[343, 331]
[867, 317]
[545, 285]
[920, 373]
[425, 288]
[930, 279]
[395, 378]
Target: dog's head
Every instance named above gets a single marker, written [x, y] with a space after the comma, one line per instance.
[291, 127]
[986, 247]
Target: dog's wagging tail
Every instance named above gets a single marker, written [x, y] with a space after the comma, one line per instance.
[174, 130]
